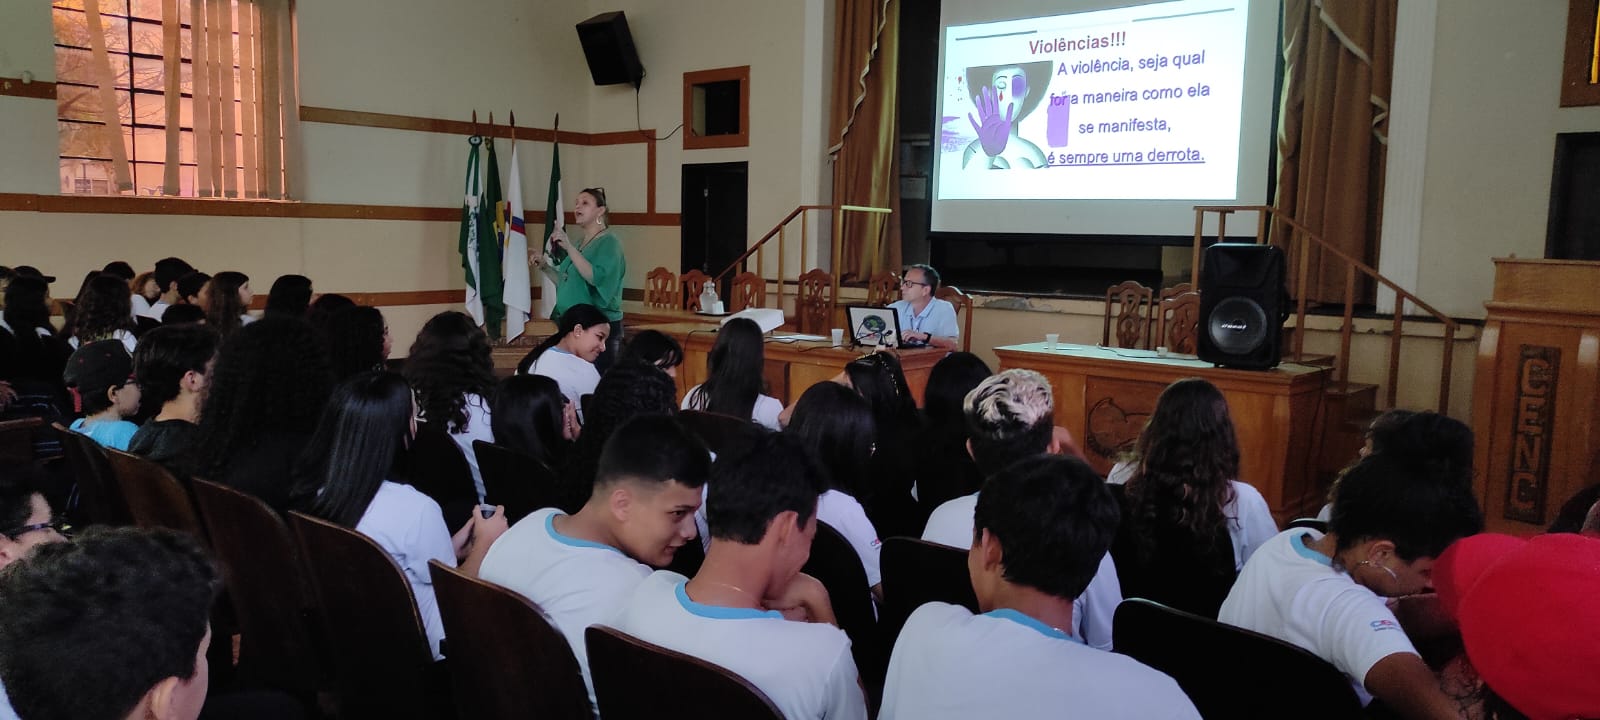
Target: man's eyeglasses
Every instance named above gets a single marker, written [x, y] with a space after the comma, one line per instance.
[906, 283]
[59, 525]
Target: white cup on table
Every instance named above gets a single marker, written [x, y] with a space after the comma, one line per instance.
[1051, 340]
[838, 336]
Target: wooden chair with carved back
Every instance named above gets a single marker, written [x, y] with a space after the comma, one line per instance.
[661, 289]
[691, 284]
[814, 305]
[747, 290]
[883, 288]
[1128, 308]
[1178, 323]
[631, 678]
[963, 304]
[99, 499]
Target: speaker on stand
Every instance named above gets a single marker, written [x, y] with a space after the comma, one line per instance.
[1243, 305]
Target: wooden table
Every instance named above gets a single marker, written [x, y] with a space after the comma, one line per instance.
[1105, 396]
[791, 365]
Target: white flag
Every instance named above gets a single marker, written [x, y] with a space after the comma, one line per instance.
[518, 289]
[553, 219]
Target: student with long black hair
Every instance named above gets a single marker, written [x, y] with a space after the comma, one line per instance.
[453, 373]
[226, 299]
[530, 415]
[734, 383]
[32, 354]
[835, 426]
[656, 348]
[290, 295]
[568, 355]
[347, 476]
[357, 339]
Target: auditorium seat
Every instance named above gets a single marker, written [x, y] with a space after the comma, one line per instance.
[155, 497]
[438, 469]
[722, 434]
[835, 564]
[917, 572]
[520, 483]
[98, 499]
[635, 680]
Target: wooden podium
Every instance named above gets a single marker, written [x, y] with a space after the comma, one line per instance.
[1535, 413]
[1104, 396]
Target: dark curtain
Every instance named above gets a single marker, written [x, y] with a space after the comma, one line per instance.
[864, 127]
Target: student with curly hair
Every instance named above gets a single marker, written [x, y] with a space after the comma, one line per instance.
[451, 369]
[103, 312]
[348, 476]
[267, 390]
[734, 383]
[226, 300]
[1188, 524]
[357, 338]
[628, 389]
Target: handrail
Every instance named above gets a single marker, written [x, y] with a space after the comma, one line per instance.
[758, 247]
[1342, 362]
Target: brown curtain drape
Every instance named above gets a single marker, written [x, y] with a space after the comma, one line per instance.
[1332, 131]
[865, 130]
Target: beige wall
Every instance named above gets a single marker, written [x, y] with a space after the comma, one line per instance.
[1493, 118]
[1492, 105]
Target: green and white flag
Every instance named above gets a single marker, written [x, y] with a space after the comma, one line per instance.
[472, 230]
[491, 281]
[552, 220]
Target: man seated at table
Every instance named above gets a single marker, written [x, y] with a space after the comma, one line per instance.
[925, 319]
[1009, 416]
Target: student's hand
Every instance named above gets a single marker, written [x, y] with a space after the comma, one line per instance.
[485, 530]
[480, 533]
[803, 599]
[535, 256]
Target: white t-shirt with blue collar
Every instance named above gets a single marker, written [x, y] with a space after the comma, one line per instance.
[805, 668]
[1293, 593]
[950, 663]
[937, 319]
[577, 583]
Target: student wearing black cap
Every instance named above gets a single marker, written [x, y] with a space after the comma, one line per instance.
[100, 377]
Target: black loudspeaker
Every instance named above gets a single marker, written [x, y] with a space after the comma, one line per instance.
[608, 46]
[1243, 304]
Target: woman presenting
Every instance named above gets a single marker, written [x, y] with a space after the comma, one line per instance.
[590, 270]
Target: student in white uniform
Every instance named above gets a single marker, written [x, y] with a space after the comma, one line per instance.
[1187, 525]
[1011, 416]
[835, 425]
[749, 609]
[1043, 524]
[167, 272]
[1326, 593]
[734, 383]
[364, 429]
[568, 355]
[580, 569]
[452, 371]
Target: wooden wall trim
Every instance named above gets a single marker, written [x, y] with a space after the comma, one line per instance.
[15, 87]
[334, 116]
[130, 205]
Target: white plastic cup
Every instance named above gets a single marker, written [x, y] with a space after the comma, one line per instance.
[1051, 340]
[1161, 351]
[838, 336]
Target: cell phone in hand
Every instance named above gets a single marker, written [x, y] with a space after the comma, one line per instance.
[486, 510]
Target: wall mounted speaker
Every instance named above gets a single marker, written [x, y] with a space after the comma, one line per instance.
[608, 46]
[1243, 304]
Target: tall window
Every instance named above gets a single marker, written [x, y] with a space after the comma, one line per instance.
[188, 98]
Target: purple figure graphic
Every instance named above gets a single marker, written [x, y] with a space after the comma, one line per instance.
[1004, 95]
[1059, 116]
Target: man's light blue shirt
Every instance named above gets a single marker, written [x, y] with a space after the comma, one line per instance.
[937, 319]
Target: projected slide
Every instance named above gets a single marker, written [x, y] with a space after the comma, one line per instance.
[1131, 103]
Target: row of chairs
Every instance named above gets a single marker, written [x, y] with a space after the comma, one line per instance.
[1136, 317]
[355, 624]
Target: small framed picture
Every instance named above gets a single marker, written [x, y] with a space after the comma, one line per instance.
[873, 325]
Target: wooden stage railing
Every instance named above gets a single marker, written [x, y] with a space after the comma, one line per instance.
[780, 231]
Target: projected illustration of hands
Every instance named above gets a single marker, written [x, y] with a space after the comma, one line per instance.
[993, 130]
